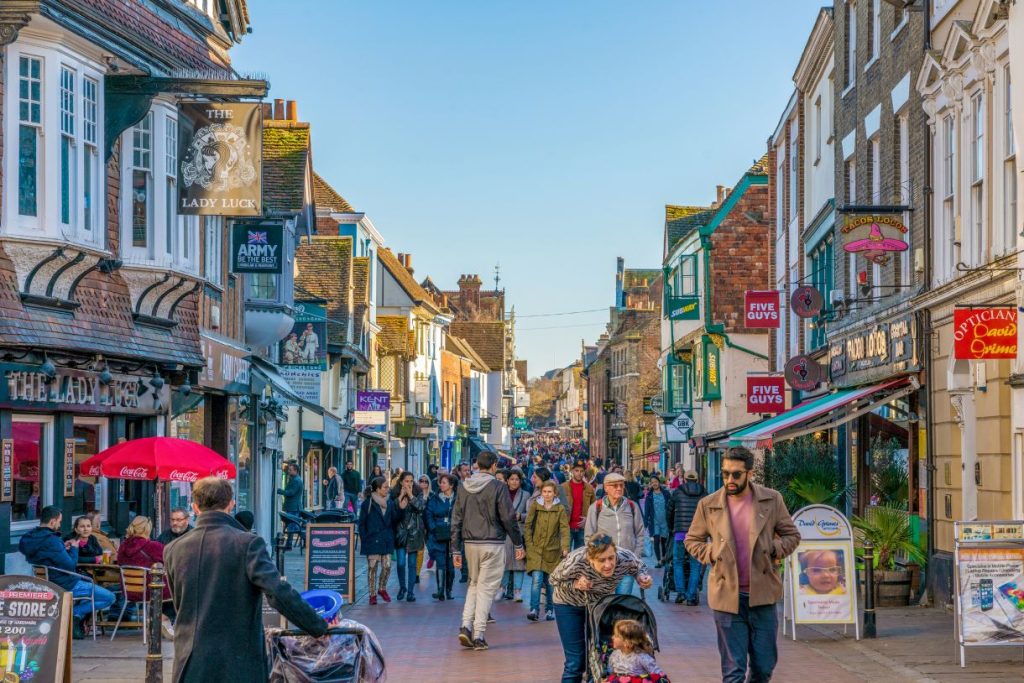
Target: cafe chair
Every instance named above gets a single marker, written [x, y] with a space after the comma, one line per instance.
[134, 582]
[42, 572]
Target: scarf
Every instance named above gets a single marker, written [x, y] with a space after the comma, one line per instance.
[381, 501]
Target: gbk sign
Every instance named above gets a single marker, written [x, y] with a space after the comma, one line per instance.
[257, 247]
[761, 309]
[765, 394]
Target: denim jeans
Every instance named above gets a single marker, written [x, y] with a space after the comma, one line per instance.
[83, 589]
[406, 568]
[575, 538]
[540, 582]
[350, 498]
[572, 627]
[747, 636]
[690, 589]
[625, 586]
[512, 580]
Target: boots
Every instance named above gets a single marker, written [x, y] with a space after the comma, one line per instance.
[449, 580]
[371, 581]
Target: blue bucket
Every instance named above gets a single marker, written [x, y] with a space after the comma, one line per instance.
[327, 603]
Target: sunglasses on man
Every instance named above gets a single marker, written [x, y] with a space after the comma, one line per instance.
[735, 475]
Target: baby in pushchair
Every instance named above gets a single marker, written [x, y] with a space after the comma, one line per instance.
[632, 656]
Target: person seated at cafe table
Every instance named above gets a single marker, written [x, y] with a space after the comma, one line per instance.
[101, 536]
[89, 550]
[179, 526]
[42, 546]
[138, 550]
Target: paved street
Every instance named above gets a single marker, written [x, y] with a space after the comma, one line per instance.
[914, 645]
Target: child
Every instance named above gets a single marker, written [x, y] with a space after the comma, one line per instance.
[633, 655]
[547, 542]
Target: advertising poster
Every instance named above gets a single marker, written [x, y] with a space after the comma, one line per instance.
[822, 584]
[991, 595]
[34, 630]
[303, 352]
[220, 153]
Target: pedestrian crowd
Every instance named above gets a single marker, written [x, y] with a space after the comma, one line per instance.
[560, 531]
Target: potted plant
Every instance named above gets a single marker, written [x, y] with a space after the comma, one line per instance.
[888, 530]
[805, 471]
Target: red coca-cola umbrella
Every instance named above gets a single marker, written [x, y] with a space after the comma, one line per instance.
[159, 457]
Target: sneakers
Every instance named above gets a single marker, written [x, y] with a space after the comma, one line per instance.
[401, 594]
[167, 628]
[490, 619]
[519, 596]
[480, 644]
[373, 599]
[549, 615]
[384, 595]
[465, 637]
[532, 615]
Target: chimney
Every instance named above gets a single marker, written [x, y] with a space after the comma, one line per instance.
[720, 193]
[268, 111]
[469, 290]
[408, 263]
[620, 266]
[293, 111]
[278, 110]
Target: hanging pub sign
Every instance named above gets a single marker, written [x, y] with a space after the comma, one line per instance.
[761, 309]
[765, 394]
[683, 308]
[874, 237]
[257, 247]
[485, 425]
[803, 373]
[608, 407]
[806, 302]
[220, 156]
[985, 333]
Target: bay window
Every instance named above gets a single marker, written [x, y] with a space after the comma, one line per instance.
[68, 165]
[92, 196]
[142, 184]
[30, 105]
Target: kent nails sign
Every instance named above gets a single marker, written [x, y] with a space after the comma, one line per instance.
[220, 150]
[257, 247]
[984, 333]
[765, 394]
[761, 309]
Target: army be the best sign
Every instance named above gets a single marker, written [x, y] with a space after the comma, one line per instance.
[257, 247]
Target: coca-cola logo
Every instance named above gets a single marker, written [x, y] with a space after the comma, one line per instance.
[221, 474]
[188, 476]
[93, 471]
[134, 473]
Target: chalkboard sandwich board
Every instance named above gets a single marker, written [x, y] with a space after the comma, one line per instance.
[330, 558]
[35, 630]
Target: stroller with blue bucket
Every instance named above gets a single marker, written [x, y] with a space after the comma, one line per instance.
[349, 653]
[601, 620]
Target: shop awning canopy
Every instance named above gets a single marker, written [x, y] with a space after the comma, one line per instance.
[824, 412]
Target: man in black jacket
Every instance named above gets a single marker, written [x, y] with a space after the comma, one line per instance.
[352, 484]
[292, 493]
[482, 516]
[217, 573]
[681, 509]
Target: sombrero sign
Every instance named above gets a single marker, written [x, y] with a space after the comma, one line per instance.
[874, 237]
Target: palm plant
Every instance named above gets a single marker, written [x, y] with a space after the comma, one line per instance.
[889, 477]
[888, 529]
[805, 471]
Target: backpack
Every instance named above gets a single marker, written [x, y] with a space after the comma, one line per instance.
[632, 503]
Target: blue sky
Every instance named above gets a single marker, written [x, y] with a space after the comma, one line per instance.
[545, 136]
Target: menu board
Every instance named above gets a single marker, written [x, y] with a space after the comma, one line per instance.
[35, 624]
[330, 558]
[7, 471]
[69, 467]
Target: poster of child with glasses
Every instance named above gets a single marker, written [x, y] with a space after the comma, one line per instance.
[821, 583]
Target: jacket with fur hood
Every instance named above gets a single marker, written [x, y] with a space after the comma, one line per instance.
[483, 512]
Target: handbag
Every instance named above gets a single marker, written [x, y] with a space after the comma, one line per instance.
[443, 531]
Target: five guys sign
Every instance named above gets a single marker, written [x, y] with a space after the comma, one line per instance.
[765, 394]
[761, 309]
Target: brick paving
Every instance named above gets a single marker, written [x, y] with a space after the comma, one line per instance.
[914, 645]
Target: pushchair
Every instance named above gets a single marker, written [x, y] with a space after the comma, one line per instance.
[350, 653]
[601, 620]
[668, 580]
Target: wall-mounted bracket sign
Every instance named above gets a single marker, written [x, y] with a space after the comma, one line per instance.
[985, 333]
[806, 302]
[803, 373]
[765, 394]
[874, 237]
[761, 309]
[683, 308]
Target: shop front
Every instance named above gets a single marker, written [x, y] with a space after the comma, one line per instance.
[54, 415]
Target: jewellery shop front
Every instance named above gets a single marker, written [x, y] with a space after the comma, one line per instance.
[54, 415]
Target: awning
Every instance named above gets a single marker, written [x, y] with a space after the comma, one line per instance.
[824, 412]
[332, 424]
[371, 436]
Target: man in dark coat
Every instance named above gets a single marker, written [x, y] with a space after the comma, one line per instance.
[681, 509]
[217, 573]
[292, 493]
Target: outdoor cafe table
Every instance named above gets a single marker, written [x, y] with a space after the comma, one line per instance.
[102, 574]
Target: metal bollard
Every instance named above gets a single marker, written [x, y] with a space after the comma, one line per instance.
[279, 553]
[869, 590]
[154, 652]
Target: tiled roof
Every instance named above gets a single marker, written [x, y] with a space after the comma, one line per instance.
[405, 279]
[486, 338]
[463, 348]
[327, 198]
[325, 270]
[395, 335]
[102, 324]
[639, 277]
[360, 294]
[681, 220]
[760, 166]
[285, 161]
